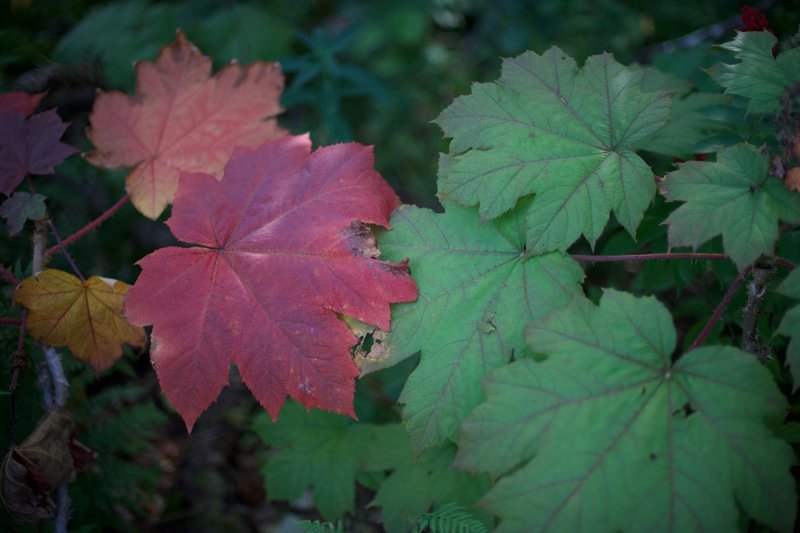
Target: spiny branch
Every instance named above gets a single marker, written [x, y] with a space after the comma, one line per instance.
[8, 276]
[649, 257]
[88, 227]
[723, 304]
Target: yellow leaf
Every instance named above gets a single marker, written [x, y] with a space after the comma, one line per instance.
[86, 317]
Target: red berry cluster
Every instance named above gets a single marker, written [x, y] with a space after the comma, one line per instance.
[754, 20]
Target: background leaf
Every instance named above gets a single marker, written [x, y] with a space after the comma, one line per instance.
[608, 434]
[477, 290]
[758, 75]
[733, 197]
[564, 133]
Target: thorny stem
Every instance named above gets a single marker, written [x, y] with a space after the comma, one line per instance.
[64, 251]
[8, 276]
[723, 304]
[18, 362]
[88, 227]
[649, 257]
[762, 273]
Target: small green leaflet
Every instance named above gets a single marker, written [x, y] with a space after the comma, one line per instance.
[758, 76]
[317, 449]
[790, 325]
[477, 291]
[733, 197]
[607, 434]
[418, 483]
[563, 133]
[20, 207]
[449, 518]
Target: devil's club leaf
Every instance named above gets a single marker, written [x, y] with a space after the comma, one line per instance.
[320, 450]
[24, 103]
[280, 253]
[607, 434]
[182, 120]
[20, 207]
[759, 75]
[565, 134]
[733, 197]
[30, 146]
[790, 325]
[83, 316]
[478, 289]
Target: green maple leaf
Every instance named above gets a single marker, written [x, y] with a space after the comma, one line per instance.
[758, 75]
[416, 484]
[477, 291]
[790, 325]
[608, 434]
[560, 132]
[733, 197]
[318, 450]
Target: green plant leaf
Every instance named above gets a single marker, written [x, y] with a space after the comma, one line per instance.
[21, 207]
[733, 197]
[758, 75]
[477, 291]
[315, 449]
[564, 133]
[692, 122]
[417, 483]
[607, 434]
[790, 325]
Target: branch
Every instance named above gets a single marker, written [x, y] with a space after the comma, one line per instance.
[8, 276]
[649, 257]
[88, 227]
[64, 250]
[723, 304]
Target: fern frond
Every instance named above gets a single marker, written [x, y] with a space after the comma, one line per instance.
[321, 527]
[449, 518]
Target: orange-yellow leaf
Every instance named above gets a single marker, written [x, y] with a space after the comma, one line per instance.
[182, 119]
[86, 317]
[793, 179]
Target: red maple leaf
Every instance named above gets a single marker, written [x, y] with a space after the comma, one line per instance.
[280, 250]
[182, 119]
[29, 146]
[24, 103]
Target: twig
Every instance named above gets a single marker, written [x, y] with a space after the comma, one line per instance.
[64, 251]
[19, 360]
[762, 273]
[88, 227]
[39, 244]
[650, 257]
[723, 304]
[8, 276]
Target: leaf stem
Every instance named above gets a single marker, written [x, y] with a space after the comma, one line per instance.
[11, 320]
[64, 250]
[650, 257]
[8, 276]
[723, 304]
[88, 227]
